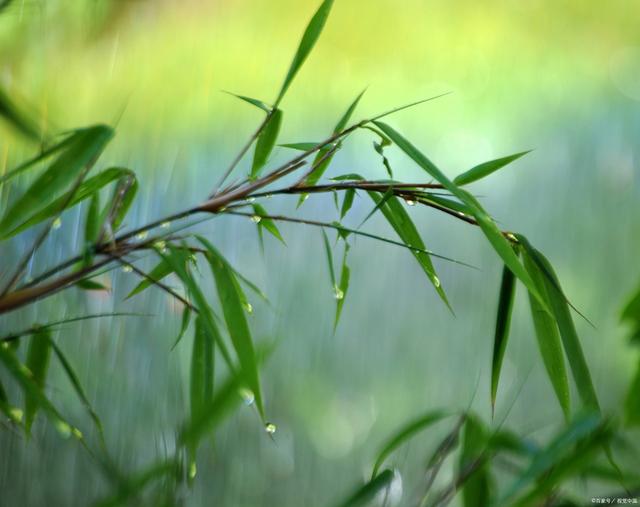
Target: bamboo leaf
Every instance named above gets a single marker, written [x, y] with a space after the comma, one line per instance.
[233, 311]
[503, 322]
[549, 341]
[254, 102]
[186, 318]
[485, 169]
[404, 434]
[343, 287]
[309, 39]
[329, 254]
[37, 363]
[301, 146]
[267, 223]
[86, 147]
[123, 196]
[92, 221]
[476, 491]
[266, 141]
[202, 369]
[160, 271]
[347, 202]
[489, 228]
[87, 284]
[570, 341]
[366, 493]
[399, 219]
[632, 401]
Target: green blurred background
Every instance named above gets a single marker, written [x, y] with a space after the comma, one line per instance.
[562, 78]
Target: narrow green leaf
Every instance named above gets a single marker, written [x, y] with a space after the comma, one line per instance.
[233, 311]
[343, 287]
[160, 271]
[329, 254]
[485, 169]
[309, 38]
[476, 491]
[266, 141]
[123, 196]
[446, 203]
[347, 202]
[368, 492]
[16, 118]
[404, 434]
[254, 102]
[348, 177]
[549, 341]
[186, 318]
[92, 221]
[489, 228]
[267, 223]
[503, 322]
[77, 386]
[87, 284]
[202, 370]
[64, 171]
[379, 204]
[301, 146]
[570, 341]
[399, 219]
[37, 362]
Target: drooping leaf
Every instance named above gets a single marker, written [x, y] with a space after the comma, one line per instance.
[485, 169]
[87, 284]
[404, 434]
[233, 311]
[37, 363]
[186, 318]
[347, 202]
[160, 271]
[632, 401]
[77, 386]
[300, 146]
[92, 221]
[267, 223]
[503, 322]
[494, 235]
[476, 491]
[309, 38]
[202, 370]
[254, 102]
[61, 174]
[266, 141]
[123, 196]
[329, 254]
[570, 341]
[16, 118]
[399, 219]
[343, 287]
[549, 341]
[368, 492]
[379, 204]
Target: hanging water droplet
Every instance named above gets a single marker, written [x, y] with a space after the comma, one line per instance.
[256, 219]
[165, 225]
[160, 245]
[127, 269]
[142, 235]
[63, 428]
[57, 223]
[410, 202]
[338, 293]
[250, 199]
[247, 396]
[16, 414]
[436, 281]
[305, 197]
[77, 433]
[248, 307]
[193, 470]
[270, 428]
[269, 196]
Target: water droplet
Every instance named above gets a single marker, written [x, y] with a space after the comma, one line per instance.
[77, 433]
[269, 196]
[256, 219]
[305, 197]
[250, 199]
[338, 293]
[247, 396]
[270, 428]
[248, 307]
[193, 470]
[16, 414]
[436, 281]
[160, 245]
[127, 269]
[63, 428]
[511, 237]
[57, 223]
[142, 235]
[165, 225]
[410, 202]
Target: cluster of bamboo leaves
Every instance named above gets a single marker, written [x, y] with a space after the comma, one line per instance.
[61, 177]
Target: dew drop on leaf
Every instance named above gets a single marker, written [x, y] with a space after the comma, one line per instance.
[270, 428]
[256, 219]
[57, 223]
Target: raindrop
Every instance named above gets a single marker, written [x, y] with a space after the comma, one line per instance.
[410, 202]
[193, 470]
[16, 414]
[270, 428]
[127, 269]
[57, 223]
[165, 225]
[160, 245]
[247, 396]
[77, 433]
[256, 219]
[436, 281]
[338, 293]
[142, 235]
[63, 428]
[248, 307]
[250, 199]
